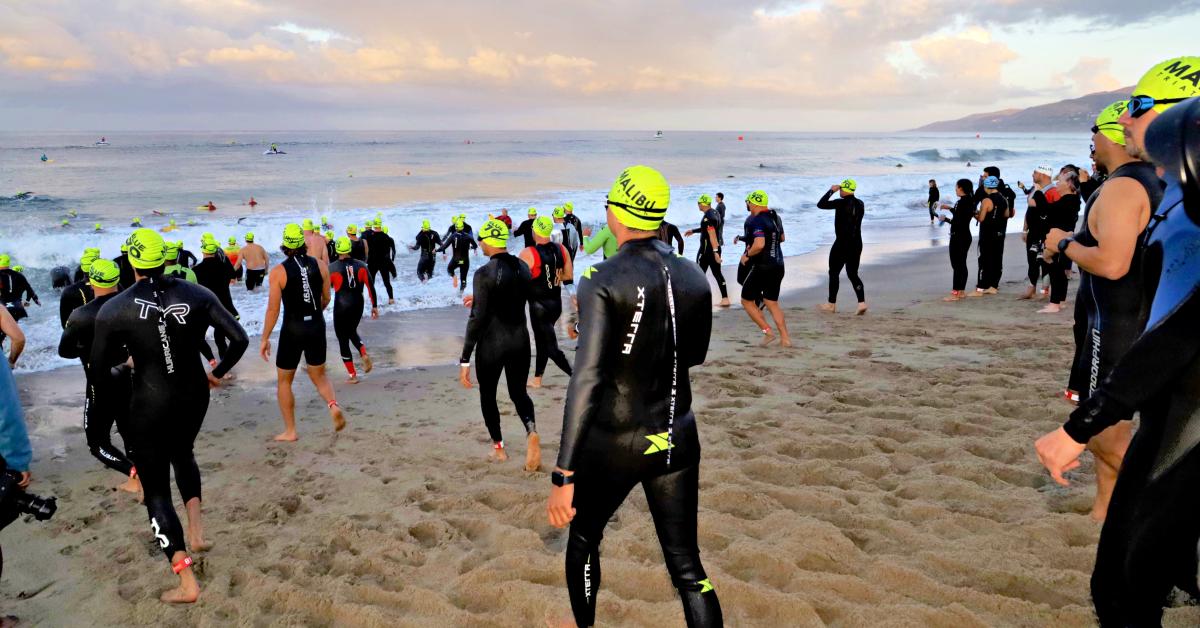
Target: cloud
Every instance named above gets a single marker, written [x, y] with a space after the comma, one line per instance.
[1088, 76]
[254, 54]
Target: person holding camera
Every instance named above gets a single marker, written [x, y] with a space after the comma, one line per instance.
[14, 438]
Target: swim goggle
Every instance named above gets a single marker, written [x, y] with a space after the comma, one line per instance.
[1096, 128]
[1139, 105]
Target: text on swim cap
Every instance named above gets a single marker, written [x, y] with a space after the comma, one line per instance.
[635, 196]
[1179, 70]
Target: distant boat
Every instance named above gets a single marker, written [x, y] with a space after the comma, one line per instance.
[658, 135]
[103, 142]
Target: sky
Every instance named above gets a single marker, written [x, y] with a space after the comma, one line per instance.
[847, 65]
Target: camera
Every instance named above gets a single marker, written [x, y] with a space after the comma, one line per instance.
[14, 501]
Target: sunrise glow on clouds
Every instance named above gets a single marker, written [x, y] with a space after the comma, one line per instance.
[704, 64]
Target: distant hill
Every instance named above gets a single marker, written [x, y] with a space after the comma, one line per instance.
[1076, 114]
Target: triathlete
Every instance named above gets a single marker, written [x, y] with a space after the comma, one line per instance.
[709, 256]
[568, 234]
[380, 257]
[645, 320]
[358, 246]
[15, 291]
[172, 267]
[122, 261]
[602, 240]
[497, 337]
[233, 253]
[669, 233]
[721, 209]
[90, 254]
[216, 275]
[301, 284]
[995, 208]
[572, 219]
[963, 212]
[80, 292]
[764, 260]
[427, 242]
[317, 244]
[187, 259]
[525, 229]
[160, 323]
[461, 243]
[935, 195]
[347, 276]
[254, 257]
[550, 268]
[331, 244]
[847, 242]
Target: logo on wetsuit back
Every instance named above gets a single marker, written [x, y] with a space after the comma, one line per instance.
[1095, 372]
[158, 535]
[304, 285]
[178, 310]
[587, 579]
[637, 320]
[659, 443]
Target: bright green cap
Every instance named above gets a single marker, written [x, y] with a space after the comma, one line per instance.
[560, 212]
[172, 222]
[308, 224]
[19, 268]
[494, 233]
[385, 229]
[104, 273]
[532, 211]
[146, 249]
[98, 226]
[1173, 78]
[5, 260]
[89, 256]
[137, 221]
[65, 222]
[351, 229]
[459, 222]
[329, 235]
[758, 197]
[639, 198]
[209, 247]
[1107, 123]
[249, 237]
[171, 250]
[569, 207]
[704, 199]
[324, 220]
[425, 226]
[233, 240]
[543, 226]
[849, 186]
[208, 237]
[125, 246]
[293, 236]
[342, 246]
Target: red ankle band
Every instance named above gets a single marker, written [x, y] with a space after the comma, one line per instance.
[182, 564]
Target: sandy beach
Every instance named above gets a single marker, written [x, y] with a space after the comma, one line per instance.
[880, 473]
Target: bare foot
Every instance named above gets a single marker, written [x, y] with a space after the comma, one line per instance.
[785, 341]
[954, 296]
[535, 382]
[353, 379]
[723, 303]
[977, 293]
[1098, 515]
[367, 363]
[498, 454]
[533, 452]
[132, 485]
[1053, 308]
[339, 417]
[992, 291]
[391, 301]
[768, 338]
[862, 309]
[196, 542]
[828, 308]
[182, 594]
[560, 622]
[454, 280]
[1028, 294]
[287, 437]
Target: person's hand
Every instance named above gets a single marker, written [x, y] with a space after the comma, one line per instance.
[717, 258]
[1025, 236]
[468, 300]
[1052, 239]
[213, 382]
[24, 303]
[464, 375]
[688, 233]
[1059, 453]
[587, 231]
[745, 260]
[1083, 175]
[26, 479]
[835, 187]
[558, 507]
[374, 313]
[264, 349]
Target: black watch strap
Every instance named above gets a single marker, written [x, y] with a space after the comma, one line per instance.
[1064, 243]
[558, 478]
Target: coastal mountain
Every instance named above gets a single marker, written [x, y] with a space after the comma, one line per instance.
[1075, 114]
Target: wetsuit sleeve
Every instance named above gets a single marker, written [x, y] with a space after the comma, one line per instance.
[108, 350]
[523, 229]
[673, 233]
[825, 203]
[28, 290]
[223, 321]
[365, 278]
[1142, 373]
[478, 320]
[445, 243]
[472, 242]
[69, 346]
[583, 392]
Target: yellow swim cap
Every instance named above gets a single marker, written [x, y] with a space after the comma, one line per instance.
[208, 237]
[308, 224]
[5, 260]
[233, 240]
[146, 249]
[757, 197]
[494, 233]
[1107, 123]
[704, 199]
[249, 237]
[543, 226]
[560, 212]
[425, 226]
[329, 235]
[569, 206]
[639, 198]
[1172, 79]
[104, 273]
[89, 255]
[459, 222]
[342, 246]
[209, 247]
[293, 236]
[532, 211]
[351, 229]
[849, 186]
[171, 250]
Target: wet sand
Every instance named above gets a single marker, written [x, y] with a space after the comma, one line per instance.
[880, 473]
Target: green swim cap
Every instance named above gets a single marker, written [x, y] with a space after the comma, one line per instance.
[324, 220]
[459, 222]
[639, 198]
[293, 236]
[532, 211]
[849, 186]
[208, 237]
[1107, 123]
[104, 274]
[494, 233]
[98, 226]
[125, 246]
[249, 237]
[308, 224]
[351, 229]
[1171, 79]
[65, 222]
[18, 268]
[137, 221]
[5, 260]
[146, 249]
[233, 240]
[543, 226]
[704, 199]
[342, 246]
[559, 212]
[89, 256]
[425, 226]
[569, 207]
[209, 247]
[172, 222]
[329, 235]
[385, 229]
[757, 197]
[171, 250]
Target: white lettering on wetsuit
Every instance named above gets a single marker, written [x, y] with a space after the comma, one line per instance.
[308, 297]
[158, 535]
[587, 579]
[637, 320]
[178, 310]
[1095, 374]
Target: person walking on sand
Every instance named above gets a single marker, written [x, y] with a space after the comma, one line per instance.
[628, 417]
[847, 242]
[497, 336]
[764, 259]
[550, 268]
[709, 257]
[301, 284]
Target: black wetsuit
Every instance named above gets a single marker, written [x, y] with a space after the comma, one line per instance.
[960, 240]
[358, 250]
[427, 244]
[1113, 311]
[720, 207]
[765, 271]
[1064, 214]
[74, 296]
[1037, 224]
[80, 275]
[545, 305]
[14, 289]
[1149, 539]
[76, 342]
[707, 256]
[379, 260]
[127, 278]
[934, 196]
[847, 243]
[215, 274]
[461, 244]
[347, 278]
[187, 259]
[991, 242]
[525, 229]
[496, 335]
[645, 319]
[303, 328]
[669, 233]
[170, 391]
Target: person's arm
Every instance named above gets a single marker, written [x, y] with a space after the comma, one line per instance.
[16, 337]
[566, 274]
[1117, 231]
[275, 283]
[523, 228]
[984, 208]
[471, 241]
[760, 243]
[68, 344]
[28, 291]
[673, 233]
[480, 314]
[583, 392]
[325, 297]
[365, 277]
[825, 203]
[445, 243]
[224, 322]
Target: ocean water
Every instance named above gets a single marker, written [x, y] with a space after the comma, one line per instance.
[410, 176]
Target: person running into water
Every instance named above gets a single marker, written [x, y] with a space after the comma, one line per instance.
[317, 245]
[847, 242]
[461, 243]
[172, 267]
[496, 336]
[76, 342]
[568, 234]
[628, 417]
[550, 268]
[603, 240]
[993, 216]
[764, 259]
[427, 242]
[935, 195]
[255, 259]
[525, 229]
[709, 257]
[90, 254]
[15, 291]
[348, 276]
[380, 258]
[358, 246]
[963, 212]
[669, 233]
[301, 284]
[233, 253]
[216, 275]
[159, 322]
[78, 293]
[573, 220]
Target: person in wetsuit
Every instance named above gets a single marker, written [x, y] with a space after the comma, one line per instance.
[90, 254]
[1037, 225]
[460, 242]
[603, 241]
[160, 322]
[962, 213]
[173, 268]
[846, 251]
[347, 276]
[567, 234]
[79, 293]
[994, 212]
[122, 262]
[935, 195]
[645, 319]
[720, 207]
[427, 242]
[496, 336]
[380, 258]
[15, 291]
[1148, 542]
[300, 284]
[550, 268]
[216, 275]
[669, 233]
[573, 220]
[187, 259]
[1063, 216]
[358, 246]
[765, 268]
[709, 257]
[76, 342]
[525, 229]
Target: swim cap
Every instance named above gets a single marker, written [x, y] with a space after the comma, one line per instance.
[324, 220]
[207, 237]
[65, 222]
[1107, 123]
[991, 183]
[560, 212]
[5, 260]
[1171, 79]
[569, 207]
[639, 198]
[145, 249]
[125, 246]
[850, 185]
[532, 211]
[704, 199]
[209, 247]
[171, 251]
[757, 197]
[308, 224]
[425, 225]
[1044, 169]
[98, 226]
[385, 229]
[137, 221]
[104, 274]
[233, 240]
[19, 268]
[293, 236]
[459, 222]
[351, 229]
[329, 235]
[342, 246]
[249, 237]
[494, 233]
[172, 222]
[89, 256]
[543, 226]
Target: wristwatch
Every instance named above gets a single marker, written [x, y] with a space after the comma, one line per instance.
[1064, 243]
[558, 478]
